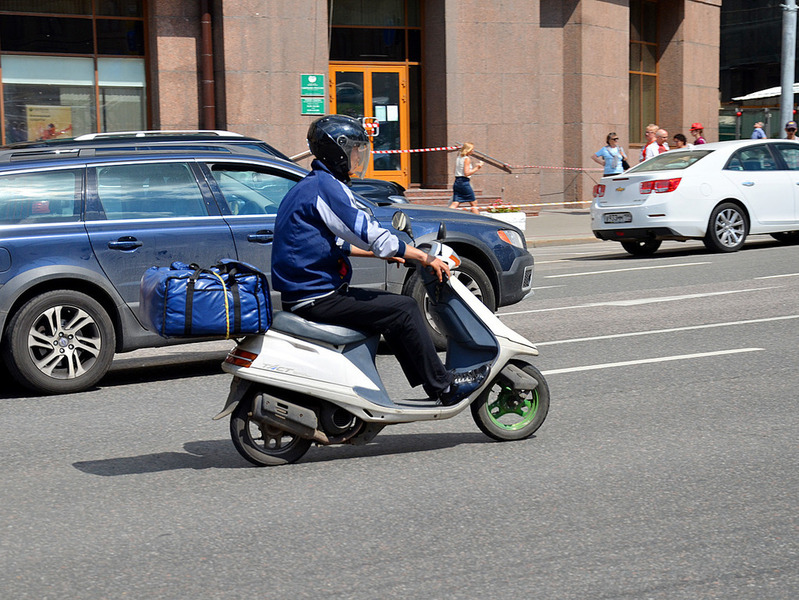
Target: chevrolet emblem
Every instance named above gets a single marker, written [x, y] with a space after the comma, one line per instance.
[619, 189]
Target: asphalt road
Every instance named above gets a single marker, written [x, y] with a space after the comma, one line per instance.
[666, 468]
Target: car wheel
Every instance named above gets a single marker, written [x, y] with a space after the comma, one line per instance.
[641, 247]
[469, 274]
[727, 228]
[59, 342]
[786, 237]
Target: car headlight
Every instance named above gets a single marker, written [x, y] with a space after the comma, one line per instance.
[511, 236]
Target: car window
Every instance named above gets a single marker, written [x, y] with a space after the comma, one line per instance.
[249, 191]
[45, 197]
[790, 154]
[670, 161]
[753, 158]
[149, 191]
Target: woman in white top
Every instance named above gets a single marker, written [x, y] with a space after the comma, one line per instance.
[462, 191]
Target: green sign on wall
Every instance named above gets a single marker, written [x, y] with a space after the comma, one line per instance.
[313, 106]
[312, 85]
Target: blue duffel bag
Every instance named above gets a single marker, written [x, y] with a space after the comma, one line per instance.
[228, 299]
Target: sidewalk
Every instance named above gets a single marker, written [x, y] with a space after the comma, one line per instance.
[559, 226]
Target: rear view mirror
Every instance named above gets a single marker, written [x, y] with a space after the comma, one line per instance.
[400, 222]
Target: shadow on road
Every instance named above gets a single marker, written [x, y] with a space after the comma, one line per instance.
[220, 454]
[138, 370]
[692, 248]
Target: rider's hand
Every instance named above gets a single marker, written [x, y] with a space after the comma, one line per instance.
[437, 265]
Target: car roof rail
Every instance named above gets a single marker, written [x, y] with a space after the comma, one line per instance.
[154, 133]
[37, 153]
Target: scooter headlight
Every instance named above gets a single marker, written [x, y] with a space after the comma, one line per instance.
[511, 236]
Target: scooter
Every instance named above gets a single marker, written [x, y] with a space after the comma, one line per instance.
[303, 382]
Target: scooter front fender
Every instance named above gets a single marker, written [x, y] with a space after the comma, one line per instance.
[238, 389]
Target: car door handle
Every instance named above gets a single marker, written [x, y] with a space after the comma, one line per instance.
[748, 183]
[125, 243]
[261, 237]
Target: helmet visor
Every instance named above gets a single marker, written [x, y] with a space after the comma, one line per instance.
[359, 159]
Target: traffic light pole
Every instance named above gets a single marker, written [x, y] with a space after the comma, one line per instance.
[788, 61]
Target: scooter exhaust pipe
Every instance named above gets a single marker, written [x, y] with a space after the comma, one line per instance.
[302, 421]
[335, 420]
[289, 417]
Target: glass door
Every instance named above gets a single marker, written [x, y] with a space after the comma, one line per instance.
[382, 93]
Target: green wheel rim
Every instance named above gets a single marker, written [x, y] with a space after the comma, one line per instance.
[507, 404]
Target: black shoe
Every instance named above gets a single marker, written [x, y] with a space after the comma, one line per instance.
[463, 384]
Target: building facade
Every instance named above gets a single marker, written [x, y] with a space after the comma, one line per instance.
[537, 84]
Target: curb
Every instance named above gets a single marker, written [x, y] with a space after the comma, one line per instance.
[562, 241]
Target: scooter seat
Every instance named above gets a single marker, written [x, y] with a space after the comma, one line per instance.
[287, 322]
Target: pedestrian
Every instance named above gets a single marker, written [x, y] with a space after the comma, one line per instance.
[649, 135]
[757, 132]
[681, 142]
[462, 192]
[611, 155]
[319, 226]
[696, 131]
[790, 130]
[659, 145]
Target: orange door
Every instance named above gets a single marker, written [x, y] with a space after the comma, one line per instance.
[380, 92]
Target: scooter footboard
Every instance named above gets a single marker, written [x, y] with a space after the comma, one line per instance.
[458, 321]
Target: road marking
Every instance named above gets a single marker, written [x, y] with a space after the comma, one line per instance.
[776, 276]
[646, 361]
[671, 330]
[637, 302]
[628, 269]
[547, 287]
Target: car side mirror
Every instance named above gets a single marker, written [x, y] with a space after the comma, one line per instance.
[442, 232]
[400, 222]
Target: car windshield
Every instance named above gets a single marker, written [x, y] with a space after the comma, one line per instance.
[670, 161]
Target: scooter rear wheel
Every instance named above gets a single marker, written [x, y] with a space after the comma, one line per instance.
[504, 415]
[261, 444]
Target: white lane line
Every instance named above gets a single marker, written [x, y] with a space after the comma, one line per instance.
[646, 361]
[636, 302]
[547, 287]
[628, 269]
[671, 330]
[777, 276]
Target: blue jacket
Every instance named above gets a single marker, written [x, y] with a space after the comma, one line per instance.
[316, 223]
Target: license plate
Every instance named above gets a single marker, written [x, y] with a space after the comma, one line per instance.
[624, 217]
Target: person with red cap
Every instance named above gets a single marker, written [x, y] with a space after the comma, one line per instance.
[696, 131]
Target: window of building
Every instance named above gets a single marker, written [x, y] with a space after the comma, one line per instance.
[643, 67]
[71, 67]
[375, 30]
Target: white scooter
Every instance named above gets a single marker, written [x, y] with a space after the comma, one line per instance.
[303, 382]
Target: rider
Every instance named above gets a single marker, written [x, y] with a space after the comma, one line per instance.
[318, 227]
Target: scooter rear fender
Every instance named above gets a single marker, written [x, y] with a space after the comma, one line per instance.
[238, 390]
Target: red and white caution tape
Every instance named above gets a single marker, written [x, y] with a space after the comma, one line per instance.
[557, 168]
[447, 148]
[509, 207]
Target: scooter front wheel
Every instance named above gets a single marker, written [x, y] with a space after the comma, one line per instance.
[505, 414]
[262, 444]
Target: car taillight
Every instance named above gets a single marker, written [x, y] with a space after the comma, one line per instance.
[599, 190]
[659, 186]
[240, 358]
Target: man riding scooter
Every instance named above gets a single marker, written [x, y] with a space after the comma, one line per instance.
[319, 226]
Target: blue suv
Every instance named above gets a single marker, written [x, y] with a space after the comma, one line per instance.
[79, 226]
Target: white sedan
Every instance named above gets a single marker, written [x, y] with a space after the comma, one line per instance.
[718, 193]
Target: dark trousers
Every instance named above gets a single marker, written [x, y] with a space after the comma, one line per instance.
[398, 319]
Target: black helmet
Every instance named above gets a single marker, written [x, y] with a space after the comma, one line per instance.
[341, 143]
